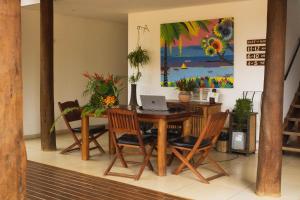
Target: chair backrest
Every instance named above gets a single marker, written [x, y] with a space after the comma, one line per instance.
[213, 128]
[197, 120]
[122, 121]
[74, 115]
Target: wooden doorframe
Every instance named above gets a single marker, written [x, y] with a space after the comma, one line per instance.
[12, 146]
[48, 140]
[270, 142]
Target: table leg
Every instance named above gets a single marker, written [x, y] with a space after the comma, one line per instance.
[162, 147]
[187, 127]
[85, 150]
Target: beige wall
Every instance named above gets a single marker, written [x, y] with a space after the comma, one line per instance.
[250, 23]
[81, 45]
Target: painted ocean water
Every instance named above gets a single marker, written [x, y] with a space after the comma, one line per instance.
[197, 64]
[175, 74]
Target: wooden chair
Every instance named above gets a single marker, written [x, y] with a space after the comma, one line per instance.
[186, 148]
[94, 131]
[196, 129]
[125, 132]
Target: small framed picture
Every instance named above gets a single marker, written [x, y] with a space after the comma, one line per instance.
[214, 96]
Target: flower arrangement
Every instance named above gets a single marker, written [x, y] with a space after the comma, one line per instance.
[104, 92]
[186, 85]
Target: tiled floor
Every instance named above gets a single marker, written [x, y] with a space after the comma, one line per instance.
[239, 185]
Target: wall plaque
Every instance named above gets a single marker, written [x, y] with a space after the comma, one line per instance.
[259, 41]
[256, 52]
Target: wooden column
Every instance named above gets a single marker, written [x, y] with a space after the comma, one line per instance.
[270, 143]
[12, 147]
[48, 140]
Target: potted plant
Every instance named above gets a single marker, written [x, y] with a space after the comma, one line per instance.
[185, 87]
[239, 124]
[103, 92]
[242, 111]
[137, 59]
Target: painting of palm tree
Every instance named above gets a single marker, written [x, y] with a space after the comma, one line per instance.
[200, 50]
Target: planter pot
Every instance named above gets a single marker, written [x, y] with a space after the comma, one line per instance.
[133, 100]
[184, 96]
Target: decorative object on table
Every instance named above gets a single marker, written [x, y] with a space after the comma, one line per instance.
[242, 127]
[204, 94]
[137, 59]
[104, 93]
[213, 96]
[202, 50]
[185, 87]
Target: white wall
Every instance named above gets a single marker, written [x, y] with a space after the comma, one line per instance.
[81, 45]
[29, 2]
[292, 37]
[250, 23]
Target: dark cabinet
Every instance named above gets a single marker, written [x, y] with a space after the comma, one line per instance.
[243, 141]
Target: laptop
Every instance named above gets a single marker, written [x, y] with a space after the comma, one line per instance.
[157, 103]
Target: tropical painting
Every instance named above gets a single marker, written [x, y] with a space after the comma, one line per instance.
[199, 50]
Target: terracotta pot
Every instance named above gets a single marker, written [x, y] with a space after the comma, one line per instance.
[184, 96]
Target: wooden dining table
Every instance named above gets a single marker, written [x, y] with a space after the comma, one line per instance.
[161, 118]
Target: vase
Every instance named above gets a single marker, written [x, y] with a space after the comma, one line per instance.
[184, 96]
[133, 100]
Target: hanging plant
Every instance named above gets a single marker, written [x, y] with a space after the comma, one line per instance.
[138, 58]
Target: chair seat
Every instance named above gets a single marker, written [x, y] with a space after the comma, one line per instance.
[133, 140]
[188, 142]
[92, 129]
[172, 133]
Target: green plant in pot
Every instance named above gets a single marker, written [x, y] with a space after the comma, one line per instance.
[185, 87]
[137, 59]
[242, 111]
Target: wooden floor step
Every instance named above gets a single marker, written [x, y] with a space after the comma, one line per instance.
[291, 133]
[291, 148]
[296, 105]
[294, 119]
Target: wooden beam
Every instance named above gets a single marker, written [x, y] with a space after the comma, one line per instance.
[270, 143]
[48, 140]
[12, 147]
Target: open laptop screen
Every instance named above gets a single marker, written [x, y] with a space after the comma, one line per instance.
[150, 102]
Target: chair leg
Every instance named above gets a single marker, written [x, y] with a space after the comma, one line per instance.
[182, 165]
[191, 167]
[70, 148]
[201, 159]
[98, 145]
[150, 154]
[217, 165]
[145, 163]
[170, 159]
[110, 165]
[119, 154]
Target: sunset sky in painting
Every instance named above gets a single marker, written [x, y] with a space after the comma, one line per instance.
[196, 39]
